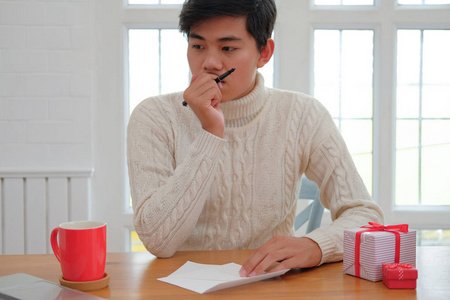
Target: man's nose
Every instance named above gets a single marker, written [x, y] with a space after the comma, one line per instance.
[212, 61]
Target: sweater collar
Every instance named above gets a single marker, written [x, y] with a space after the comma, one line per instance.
[240, 111]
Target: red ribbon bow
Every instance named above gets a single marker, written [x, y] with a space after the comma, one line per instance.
[379, 227]
[395, 229]
[400, 266]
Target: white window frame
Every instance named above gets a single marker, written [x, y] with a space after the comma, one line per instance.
[424, 216]
[385, 17]
[293, 70]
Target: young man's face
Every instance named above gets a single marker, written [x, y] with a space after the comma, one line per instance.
[220, 44]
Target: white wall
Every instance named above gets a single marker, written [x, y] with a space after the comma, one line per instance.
[61, 109]
[47, 98]
[47, 80]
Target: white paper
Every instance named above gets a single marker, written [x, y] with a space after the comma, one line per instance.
[203, 278]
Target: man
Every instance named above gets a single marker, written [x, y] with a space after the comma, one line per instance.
[224, 172]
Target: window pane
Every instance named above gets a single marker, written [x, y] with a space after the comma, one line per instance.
[436, 133]
[157, 63]
[408, 73]
[407, 134]
[155, 1]
[408, 57]
[357, 73]
[408, 101]
[436, 101]
[435, 175]
[437, 1]
[143, 65]
[327, 68]
[423, 96]
[436, 61]
[415, 2]
[357, 2]
[174, 65]
[436, 162]
[143, 1]
[172, 1]
[407, 177]
[421, 2]
[343, 72]
[343, 2]
[436, 73]
[327, 2]
[407, 159]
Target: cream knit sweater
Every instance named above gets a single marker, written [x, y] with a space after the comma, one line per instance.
[192, 190]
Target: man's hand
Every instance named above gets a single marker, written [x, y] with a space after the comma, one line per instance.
[290, 252]
[204, 96]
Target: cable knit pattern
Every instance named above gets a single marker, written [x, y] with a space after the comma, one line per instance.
[192, 190]
[289, 169]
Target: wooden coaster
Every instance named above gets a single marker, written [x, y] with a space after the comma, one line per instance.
[86, 286]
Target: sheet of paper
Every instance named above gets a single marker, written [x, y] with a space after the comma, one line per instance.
[203, 278]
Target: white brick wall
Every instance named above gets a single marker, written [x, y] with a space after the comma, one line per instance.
[46, 83]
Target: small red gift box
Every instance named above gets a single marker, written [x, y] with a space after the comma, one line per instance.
[399, 276]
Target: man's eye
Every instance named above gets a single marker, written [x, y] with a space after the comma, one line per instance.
[196, 46]
[228, 49]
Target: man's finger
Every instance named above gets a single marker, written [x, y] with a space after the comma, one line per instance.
[258, 255]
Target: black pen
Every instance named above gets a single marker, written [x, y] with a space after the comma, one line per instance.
[218, 79]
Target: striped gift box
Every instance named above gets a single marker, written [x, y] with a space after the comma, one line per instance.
[377, 247]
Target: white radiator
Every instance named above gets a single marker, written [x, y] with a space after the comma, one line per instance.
[33, 203]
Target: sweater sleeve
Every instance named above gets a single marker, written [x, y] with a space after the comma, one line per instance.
[167, 196]
[342, 190]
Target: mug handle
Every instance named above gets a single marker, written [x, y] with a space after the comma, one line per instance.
[54, 243]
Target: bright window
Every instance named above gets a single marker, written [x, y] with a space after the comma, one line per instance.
[423, 117]
[343, 2]
[157, 63]
[423, 2]
[155, 2]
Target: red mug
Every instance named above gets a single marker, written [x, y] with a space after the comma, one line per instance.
[81, 250]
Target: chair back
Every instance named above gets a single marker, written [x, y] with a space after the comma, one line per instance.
[314, 211]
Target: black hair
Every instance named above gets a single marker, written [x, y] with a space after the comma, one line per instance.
[261, 15]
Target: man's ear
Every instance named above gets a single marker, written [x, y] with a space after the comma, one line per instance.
[266, 53]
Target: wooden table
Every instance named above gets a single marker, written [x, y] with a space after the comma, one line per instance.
[133, 276]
